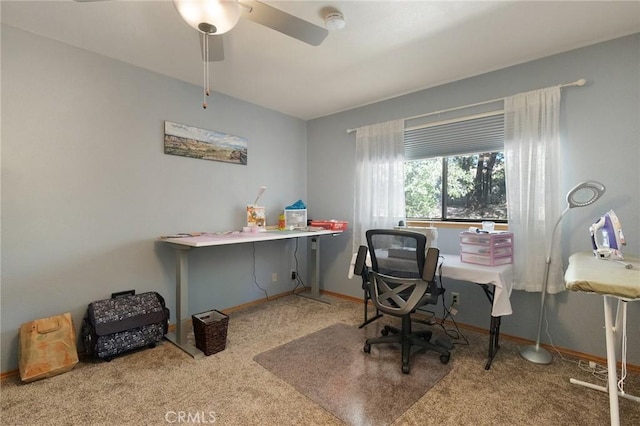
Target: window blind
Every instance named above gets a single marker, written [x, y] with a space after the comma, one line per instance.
[465, 135]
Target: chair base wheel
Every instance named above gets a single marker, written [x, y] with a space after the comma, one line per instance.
[367, 348]
[405, 369]
[444, 358]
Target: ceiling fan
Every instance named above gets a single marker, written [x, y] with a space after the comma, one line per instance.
[212, 18]
[216, 17]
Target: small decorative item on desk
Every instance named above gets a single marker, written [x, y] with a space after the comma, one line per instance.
[486, 249]
[488, 226]
[256, 216]
[332, 225]
[295, 219]
[210, 331]
[295, 216]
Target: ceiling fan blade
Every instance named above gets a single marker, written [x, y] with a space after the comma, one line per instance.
[282, 22]
[216, 48]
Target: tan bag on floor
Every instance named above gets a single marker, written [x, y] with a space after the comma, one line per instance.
[47, 347]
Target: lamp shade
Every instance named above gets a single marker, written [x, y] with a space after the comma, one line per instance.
[209, 16]
[585, 193]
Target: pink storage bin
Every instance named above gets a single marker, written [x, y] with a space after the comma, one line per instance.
[486, 249]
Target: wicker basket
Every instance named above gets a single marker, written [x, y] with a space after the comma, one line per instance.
[210, 330]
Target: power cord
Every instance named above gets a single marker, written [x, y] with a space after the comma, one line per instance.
[453, 333]
[255, 279]
[546, 331]
[598, 371]
[446, 313]
[298, 280]
[299, 283]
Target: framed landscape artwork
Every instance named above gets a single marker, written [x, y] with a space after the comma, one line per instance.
[188, 141]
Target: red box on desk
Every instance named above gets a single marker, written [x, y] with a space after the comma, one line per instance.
[333, 225]
[486, 249]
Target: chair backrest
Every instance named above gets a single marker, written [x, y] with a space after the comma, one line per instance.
[402, 274]
[397, 252]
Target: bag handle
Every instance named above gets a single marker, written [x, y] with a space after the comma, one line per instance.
[48, 325]
[123, 294]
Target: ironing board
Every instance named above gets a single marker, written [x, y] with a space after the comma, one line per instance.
[615, 282]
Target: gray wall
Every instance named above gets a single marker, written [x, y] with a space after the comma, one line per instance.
[600, 127]
[86, 186]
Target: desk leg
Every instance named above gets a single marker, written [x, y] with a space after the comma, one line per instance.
[179, 338]
[494, 340]
[315, 274]
[494, 327]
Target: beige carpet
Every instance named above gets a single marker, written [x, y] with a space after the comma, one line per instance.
[154, 386]
[330, 367]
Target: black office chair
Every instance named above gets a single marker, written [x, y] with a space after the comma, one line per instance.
[360, 268]
[402, 279]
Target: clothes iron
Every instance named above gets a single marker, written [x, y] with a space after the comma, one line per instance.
[607, 238]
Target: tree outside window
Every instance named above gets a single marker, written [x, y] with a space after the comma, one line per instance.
[457, 188]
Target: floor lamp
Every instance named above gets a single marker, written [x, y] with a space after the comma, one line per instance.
[581, 195]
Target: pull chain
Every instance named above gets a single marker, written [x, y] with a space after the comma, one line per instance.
[205, 55]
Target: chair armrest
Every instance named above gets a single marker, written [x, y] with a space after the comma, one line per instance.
[361, 260]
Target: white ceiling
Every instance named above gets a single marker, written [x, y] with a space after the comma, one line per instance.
[387, 48]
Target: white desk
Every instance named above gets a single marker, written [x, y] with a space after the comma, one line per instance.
[500, 277]
[501, 280]
[615, 283]
[184, 244]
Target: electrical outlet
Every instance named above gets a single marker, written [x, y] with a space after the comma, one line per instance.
[274, 277]
[455, 298]
[294, 274]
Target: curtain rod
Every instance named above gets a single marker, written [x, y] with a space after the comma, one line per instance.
[578, 83]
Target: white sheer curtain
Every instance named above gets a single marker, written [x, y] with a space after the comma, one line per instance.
[532, 151]
[379, 179]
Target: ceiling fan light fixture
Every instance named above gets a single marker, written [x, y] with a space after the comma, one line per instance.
[334, 21]
[209, 16]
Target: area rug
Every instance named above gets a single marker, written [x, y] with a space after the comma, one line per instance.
[330, 367]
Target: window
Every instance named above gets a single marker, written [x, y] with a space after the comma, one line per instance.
[455, 171]
[460, 187]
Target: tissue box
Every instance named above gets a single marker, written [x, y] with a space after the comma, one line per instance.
[295, 218]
